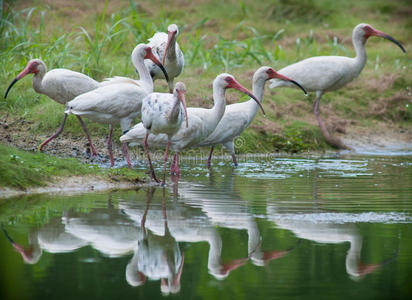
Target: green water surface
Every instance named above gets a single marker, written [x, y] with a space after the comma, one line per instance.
[273, 228]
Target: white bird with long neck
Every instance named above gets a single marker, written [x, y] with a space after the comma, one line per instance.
[120, 101]
[238, 116]
[166, 49]
[61, 85]
[328, 73]
[164, 113]
[202, 122]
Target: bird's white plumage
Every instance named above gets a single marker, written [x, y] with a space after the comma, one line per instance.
[119, 101]
[202, 122]
[109, 104]
[238, 116]
[321, 73]
[328, 73]
[163, 112]
[119, 79]
[61, 85]
[174, 61]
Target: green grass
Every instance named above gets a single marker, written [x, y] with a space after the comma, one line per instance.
[235, 36]
[22, 169]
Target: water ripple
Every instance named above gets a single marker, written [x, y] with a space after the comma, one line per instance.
[280, 168]
[342, 218]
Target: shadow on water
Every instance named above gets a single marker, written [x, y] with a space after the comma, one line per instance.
[223, 230]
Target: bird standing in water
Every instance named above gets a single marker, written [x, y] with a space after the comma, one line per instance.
[164, 113]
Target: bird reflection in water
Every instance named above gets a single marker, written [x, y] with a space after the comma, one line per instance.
[151, 233]
[156, 256]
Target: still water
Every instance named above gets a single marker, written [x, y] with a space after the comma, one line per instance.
[277, 227]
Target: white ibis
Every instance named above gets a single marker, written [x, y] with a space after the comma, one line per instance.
[202, 122]
[166, 49]
[61, 85]
[328, 73]
[119, 101]
[164, 113]
[238, 116]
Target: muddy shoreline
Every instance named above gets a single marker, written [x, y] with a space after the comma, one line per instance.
[383, 139]
[72, 185]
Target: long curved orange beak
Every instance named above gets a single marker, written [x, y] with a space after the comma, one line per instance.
[150, 55]
[388, 37]
[170, 36]
[236, 85]
[233, 265]
[26, 254]
[23, 73]
[285, 78]
[182, 97]
[176, 281]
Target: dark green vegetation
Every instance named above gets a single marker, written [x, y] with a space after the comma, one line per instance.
[22, 169]
[97, 37]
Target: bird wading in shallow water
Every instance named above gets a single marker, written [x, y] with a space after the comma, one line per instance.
[322, 74]
[167, 50]
[202, 122]
[238, 116]
[61, 85]
[164, 113]
[120, 101]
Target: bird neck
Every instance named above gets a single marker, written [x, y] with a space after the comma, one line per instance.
[361, 56]
[218, 108]
[37, 81]
[215, 251]
[174, 114]
[171, 52]
[258, 88]
[144, 74]
[353, 255]
[254, 240]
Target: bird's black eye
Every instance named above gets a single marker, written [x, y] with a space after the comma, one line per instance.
[367, 29]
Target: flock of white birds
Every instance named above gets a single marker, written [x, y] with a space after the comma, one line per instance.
[165, 120]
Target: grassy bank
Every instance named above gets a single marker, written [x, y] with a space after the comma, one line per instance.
[21, 169]
[238, 36]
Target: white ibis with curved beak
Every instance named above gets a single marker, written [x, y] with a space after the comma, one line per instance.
[238, 116]
[166, 49]
[202, 122]
[118, 102]
[328, 73]
[61, 85]
[164, 113]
